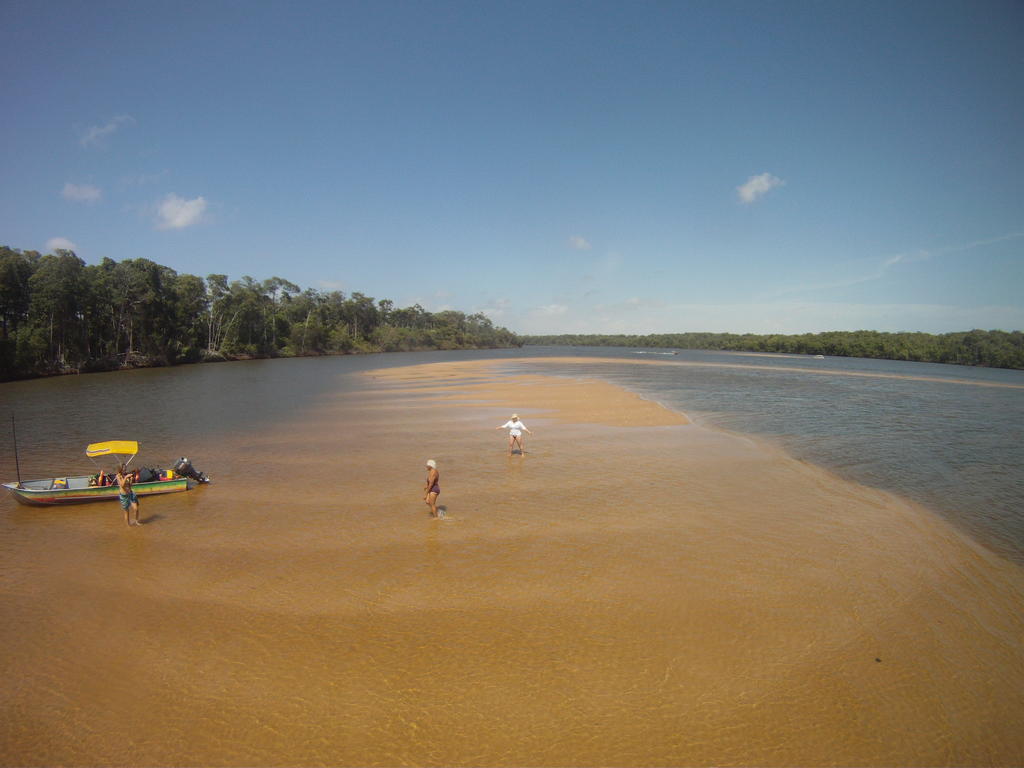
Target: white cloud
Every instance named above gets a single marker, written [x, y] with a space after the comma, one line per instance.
[578, 243]
[95, 134]
[81, 193]
[60, 244]
[331, 285]
[175, 212]
[758, 186]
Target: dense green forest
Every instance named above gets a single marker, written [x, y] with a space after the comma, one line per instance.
[996, 349]
[60, 315]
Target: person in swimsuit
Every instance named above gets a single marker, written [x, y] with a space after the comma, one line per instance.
[515, 433]
[129, 501]
[432, 488]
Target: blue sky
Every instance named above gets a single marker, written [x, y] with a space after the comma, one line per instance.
[562, 166]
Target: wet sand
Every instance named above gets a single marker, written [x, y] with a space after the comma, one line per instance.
[635, 590]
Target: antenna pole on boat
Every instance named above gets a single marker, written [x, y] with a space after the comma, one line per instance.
[17, 465]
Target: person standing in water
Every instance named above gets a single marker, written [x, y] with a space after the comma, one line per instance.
[432, 489]
[515, 433]
[129, 501]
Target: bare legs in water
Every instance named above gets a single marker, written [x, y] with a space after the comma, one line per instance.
[432, 488]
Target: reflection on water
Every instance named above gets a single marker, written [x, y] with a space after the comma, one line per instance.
[653, 596]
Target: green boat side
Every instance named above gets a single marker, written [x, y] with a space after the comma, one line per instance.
[76, 490]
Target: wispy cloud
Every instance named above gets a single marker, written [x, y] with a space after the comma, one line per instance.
[60, 244]
[579, 243]
[631, 304]
[81, 193]
[980, 243]
[497, 308]
[758, 186]
[175, 212]
[435, 303]
[550, 310]
[95, 134]
[878, 269]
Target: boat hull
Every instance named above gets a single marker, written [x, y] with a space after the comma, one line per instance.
[49, 497]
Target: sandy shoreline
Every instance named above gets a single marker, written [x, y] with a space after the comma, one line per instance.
[637, 590]
[839, 599]
[573, 401]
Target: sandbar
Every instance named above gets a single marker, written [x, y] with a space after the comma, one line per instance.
[635, 590]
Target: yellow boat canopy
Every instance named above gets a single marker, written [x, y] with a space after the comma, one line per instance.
[125, 447]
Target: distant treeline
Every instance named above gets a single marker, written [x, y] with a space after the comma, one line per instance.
[996, 349]
[60, 315]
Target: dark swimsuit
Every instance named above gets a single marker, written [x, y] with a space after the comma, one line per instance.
[436, 488]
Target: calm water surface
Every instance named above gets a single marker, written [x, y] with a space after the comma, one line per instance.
[707, 602]
[947, 436]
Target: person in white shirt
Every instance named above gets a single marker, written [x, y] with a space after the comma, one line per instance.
[515, 433]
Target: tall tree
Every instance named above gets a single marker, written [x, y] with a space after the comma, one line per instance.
[56, 288]
[15, 298]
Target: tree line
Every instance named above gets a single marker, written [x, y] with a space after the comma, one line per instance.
[60, 315]
[995, 349]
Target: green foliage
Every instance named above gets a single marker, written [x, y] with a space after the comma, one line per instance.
[995, 349]
[58, 315]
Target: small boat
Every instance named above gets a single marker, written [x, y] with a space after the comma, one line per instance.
[102, 486]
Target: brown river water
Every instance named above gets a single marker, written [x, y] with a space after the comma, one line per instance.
[636, 590]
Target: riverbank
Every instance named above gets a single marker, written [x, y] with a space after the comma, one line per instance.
[994, 348]
[136, 362]
[636, 590]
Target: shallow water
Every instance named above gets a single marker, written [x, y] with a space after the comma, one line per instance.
[618, 596]
[949, 437]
